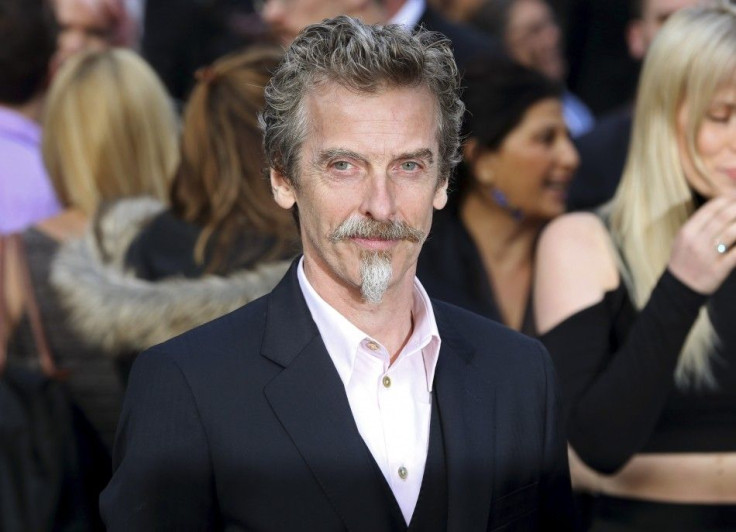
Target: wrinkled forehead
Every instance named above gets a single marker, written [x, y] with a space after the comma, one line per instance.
[331, 92]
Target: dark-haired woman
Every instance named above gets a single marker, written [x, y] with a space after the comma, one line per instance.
[518, 161]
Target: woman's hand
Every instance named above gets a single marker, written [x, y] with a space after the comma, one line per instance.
[703, 253]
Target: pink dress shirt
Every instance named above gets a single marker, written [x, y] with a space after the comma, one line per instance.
[391, 403]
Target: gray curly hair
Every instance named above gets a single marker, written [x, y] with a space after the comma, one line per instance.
[366, 59]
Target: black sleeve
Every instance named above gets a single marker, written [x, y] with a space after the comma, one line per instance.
[162, 478]
[612, 400]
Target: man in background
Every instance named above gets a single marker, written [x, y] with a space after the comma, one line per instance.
[603, 150]
[95, 25]
[531, 37]
[286, 18]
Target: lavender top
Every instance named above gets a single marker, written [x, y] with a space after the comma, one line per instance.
[26, 194]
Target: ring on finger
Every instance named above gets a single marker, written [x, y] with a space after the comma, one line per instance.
[721, 248]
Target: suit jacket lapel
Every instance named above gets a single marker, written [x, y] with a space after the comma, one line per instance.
[467, 411]
[309, 400]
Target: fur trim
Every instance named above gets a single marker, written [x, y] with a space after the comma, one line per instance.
[117, 224]
[121, 314]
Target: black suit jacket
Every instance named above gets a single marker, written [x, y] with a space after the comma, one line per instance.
[243, 424]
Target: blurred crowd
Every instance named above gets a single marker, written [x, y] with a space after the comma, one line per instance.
[594, 208]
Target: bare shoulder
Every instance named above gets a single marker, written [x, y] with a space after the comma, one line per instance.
[575, 267]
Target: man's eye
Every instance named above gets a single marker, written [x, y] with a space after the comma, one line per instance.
[409, 166]
[341, 165]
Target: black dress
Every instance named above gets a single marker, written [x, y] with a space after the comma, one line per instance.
[616, 366]
[451, 269]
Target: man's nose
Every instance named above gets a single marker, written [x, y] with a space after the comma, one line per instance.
[379, 198]
[272, 11]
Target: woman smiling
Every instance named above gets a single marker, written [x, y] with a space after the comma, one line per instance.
[517, 164]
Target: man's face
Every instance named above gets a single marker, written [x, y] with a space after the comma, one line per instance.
[82, 26]
[286, 18]
[533, 38]
[367, 187]
[642, 31]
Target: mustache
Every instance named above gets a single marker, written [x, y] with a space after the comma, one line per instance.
[356, 227]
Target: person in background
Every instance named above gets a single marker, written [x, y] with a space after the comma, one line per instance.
[181, 36]
[531, 36]
[110, 132]
[636, 301]
[603, 149]
[153, 272]
[94, 25]
[287, 20]
[27, 41]
[600, 70]
[461, 11]
[518, 161]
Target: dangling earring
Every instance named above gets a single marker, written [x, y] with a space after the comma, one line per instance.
[486, 176]
[502, 201]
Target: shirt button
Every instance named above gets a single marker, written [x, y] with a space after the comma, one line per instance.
[403, 473]
[373, 346]
[386, 381]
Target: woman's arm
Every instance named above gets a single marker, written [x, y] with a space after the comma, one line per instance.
[12, 300]
[612, 400]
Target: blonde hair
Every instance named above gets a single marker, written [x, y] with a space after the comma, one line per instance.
[691, 58]
[110, 130]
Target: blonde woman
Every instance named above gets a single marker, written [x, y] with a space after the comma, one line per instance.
[636, 303]
[110, 131]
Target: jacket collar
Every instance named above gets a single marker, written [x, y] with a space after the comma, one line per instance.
[309, 400]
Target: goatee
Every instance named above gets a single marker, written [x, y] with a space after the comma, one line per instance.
[375, 266]
[375, 275]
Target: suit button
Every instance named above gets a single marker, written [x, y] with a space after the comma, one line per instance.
[403, 473]
[386, 381]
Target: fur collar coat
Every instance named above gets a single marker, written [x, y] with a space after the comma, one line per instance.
[122, 314]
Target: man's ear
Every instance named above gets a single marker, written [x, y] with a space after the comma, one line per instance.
[470, 149]
[440, 195]
[635, 39]
[283, 190]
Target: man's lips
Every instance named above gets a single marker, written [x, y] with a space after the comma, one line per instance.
[378, 244]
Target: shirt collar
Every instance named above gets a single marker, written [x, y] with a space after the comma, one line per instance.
[342, 339]
[409, 14]
[14, 124]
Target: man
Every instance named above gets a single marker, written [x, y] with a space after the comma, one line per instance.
[603, 150]
[286, 18]
[27, 41]
[346, 399]
[182, 36]
[95, 25]
[532, 38]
